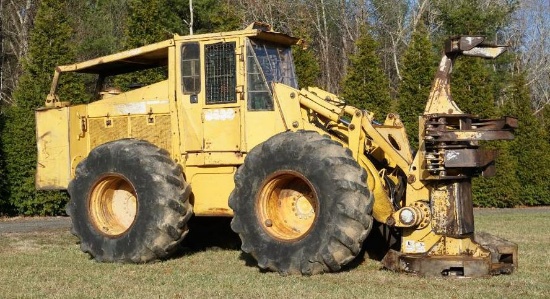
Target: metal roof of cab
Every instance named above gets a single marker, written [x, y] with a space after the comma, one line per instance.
[156, 55]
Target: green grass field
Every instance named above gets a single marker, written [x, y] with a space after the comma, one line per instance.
[49, 264]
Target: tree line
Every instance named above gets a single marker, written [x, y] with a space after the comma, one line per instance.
[378, 55]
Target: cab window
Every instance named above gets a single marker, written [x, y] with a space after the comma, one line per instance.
[267, 63]
[220, 71]
[190, 68]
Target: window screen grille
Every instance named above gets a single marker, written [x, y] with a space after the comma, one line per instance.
[190, 68]
[220, 73]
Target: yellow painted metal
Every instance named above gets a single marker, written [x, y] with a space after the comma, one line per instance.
[425, 241]
[358, 139]
[287, 103]
[145, 53]
[382, 209]
[422, 238]
[210, 141]
[175, 130]
[418, 215]
[287, 205]
[222, 129]
[221, 123]
[190, 120]
[112, 205]
[211, 189]
[419, 240]
[214, 158]
[391, 139]
[150, 99]
[328, 97]
[153, 128]
[311, 101]
[440, 100]
[52, 139]
[61, 145]
[314, 99]
[78, 128]
[356, 136]
[269, 122]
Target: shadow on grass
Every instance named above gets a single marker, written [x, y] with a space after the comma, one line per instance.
[214, 233]
[208, 233]
[379, 241]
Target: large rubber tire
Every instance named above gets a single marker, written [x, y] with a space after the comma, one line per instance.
[129, 202]
[301, 204]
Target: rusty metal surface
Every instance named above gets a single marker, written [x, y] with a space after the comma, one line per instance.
[468, 157]
[472, 135]
[469, 42]
[449, 156]
[504, 254]
[465, 127]
[452, 144]
[462, 43]
[472, 46]
[464, 217]
[502, 260]
[452, 208]
[485, 52]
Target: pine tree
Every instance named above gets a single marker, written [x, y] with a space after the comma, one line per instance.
[472, 87]
[476, 87]
[151, 21]
[545, 122]
[50, 45]
[99, 27]
[544, 115]
[5, 205]
[419, 65]
[473, 16]
[530, 146]
[215, 16]
[307, 67]
[366, 85]
[474, 82]
[502, 190]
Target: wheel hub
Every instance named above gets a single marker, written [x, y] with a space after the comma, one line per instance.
[113, 205]
[287, 205]
[303, 207]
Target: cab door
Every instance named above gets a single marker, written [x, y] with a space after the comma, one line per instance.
[221, 114]
[190, 86]
[210, 105]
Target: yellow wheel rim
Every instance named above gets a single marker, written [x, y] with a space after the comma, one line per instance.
[287, 206]
[113, 205]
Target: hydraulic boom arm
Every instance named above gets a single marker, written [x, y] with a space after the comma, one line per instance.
[427, 196]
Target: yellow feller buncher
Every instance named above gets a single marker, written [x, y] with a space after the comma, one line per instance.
[227, 132]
